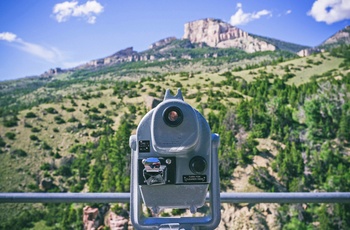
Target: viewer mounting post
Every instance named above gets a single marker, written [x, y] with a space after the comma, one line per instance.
[174, 164]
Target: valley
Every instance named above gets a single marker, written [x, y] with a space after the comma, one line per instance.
[283, 122]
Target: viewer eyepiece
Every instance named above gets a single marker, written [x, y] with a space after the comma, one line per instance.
[173, 116]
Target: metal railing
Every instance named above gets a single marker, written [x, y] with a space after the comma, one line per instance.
[305, 197]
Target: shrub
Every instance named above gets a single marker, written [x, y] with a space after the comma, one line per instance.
[95, 117]
[35, 130]
[33, 186]
[72, 129]
[51, 110]
[10, 135]
[309, 61]
[176, 211]
[12, 122]
[19, 152]
[262, 179]
[70, 110]
[178, 84]
[59, 120]
[30, 115]
[56, 130]
[287, 76]
[65, 171]
[33, 137]
[72, 119]
[2, 142]
[101, 106]
[132, 109]
[45, 166]
[233, 94]
[96, 133]
[45, 146]
[27, 125]
[132, 94]
[73, 103]
[94, 110]
[57, 156]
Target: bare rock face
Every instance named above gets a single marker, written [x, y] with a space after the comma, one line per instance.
[52, 72]
[211, 31]
[115, 222]
[308, 52]
[162, 42]
[91, 218]
[126, 55]
[342, 35]
[216, 33]
[262, 216]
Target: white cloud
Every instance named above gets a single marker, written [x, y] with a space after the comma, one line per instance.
[63, 11]
[49, 54]
[288, 11]
[7, 36]
[241, 18]
[330, 11]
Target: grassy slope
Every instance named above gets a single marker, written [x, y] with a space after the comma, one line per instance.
[303, 71]
[17, 173]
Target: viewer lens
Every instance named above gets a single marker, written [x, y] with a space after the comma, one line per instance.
[173, 116]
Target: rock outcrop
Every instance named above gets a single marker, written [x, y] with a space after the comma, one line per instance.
[91, 218]
[342, 36]
[52, 72]
[116, 222]
[262, 216]
[216, 33]
[308, 52]
[162, 42]
[125, 55]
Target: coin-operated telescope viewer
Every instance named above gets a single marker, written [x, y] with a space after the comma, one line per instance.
[174, 165]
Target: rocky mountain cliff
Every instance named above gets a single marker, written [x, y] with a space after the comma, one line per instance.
[213, 35]
[210, 33]
[341, 37]
[216, 33]
[125, 55]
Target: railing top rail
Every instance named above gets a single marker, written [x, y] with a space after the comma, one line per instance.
[305, 197]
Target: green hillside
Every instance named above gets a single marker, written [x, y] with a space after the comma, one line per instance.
[281, 45]
[283, 123]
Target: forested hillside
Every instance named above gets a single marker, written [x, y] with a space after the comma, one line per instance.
[284, 126]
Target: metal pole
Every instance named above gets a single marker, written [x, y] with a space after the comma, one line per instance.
[306, 197]
[299, 197]
[64, 197]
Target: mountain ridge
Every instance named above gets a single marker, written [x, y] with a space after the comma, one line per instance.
[204, 33]
[215, 33]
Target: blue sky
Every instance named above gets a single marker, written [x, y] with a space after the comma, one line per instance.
[36, 35]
